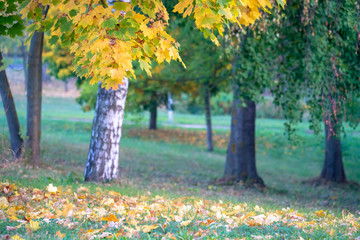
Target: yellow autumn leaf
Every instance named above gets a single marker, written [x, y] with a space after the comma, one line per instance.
[17, 237]
[148, 228]
[67, 211]
[60, 235]
[34, 225]
[51, 188]
[320, 213]
[3, 203]
[185, 223]
[180, 7]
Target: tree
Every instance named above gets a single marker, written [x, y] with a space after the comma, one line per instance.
[319, 62]
[12, 25]
[105, 40]
[34, 96]
[251, 75]
[16, 141]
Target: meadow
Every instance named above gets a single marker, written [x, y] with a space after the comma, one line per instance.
[171, 169]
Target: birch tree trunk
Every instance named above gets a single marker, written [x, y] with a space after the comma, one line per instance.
[153, 112]
[16, 142]
[240, 157]
[333, 168]
[34, 95]
[209, 140]
[103, 158]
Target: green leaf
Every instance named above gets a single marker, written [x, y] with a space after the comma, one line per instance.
[73, 13]
[53, 40]
[110, 23]
[121, 6]
[223, 3]
[65, 24]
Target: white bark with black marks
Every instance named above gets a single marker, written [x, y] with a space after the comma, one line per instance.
[103, 158]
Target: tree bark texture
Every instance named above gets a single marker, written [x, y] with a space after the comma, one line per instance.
[16, 142]
[333, 168]
[240, 158]
[209, 140]
[153, 112]
[34, 95]
[103, 158]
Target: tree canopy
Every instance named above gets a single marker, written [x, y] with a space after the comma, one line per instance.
[105, 40]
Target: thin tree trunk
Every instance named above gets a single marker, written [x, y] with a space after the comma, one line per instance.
[16, 142]
[333, 169]
[103, 158]
[209, 140]
[240, 158]
[153, 112]
[170, 108]
[34, 95]
[24, 55]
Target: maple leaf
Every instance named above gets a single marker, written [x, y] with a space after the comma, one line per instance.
[60, 235]
[17, 237]
[34, 225]
[148, 228]
[51, 188]
[185, 223]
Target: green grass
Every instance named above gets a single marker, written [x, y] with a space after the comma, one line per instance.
[175, 170]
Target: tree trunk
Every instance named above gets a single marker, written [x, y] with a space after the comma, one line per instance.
[24, 55]
[153, 112]
[170, 108]
[34, 95]
[333, 169]
[103, 158]
[240, 158]
[209, 141]
[16, 142]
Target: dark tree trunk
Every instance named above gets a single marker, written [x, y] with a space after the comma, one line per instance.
[16, 142]
[209, 141]
[333, 169]
[153, 112]
[34, 94]
[25, 60]
[103, 158]
[240, 158]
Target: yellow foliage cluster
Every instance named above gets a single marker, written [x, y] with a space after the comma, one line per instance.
[105, 40]
[116, 215]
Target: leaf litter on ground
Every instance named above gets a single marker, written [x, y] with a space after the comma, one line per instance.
[59, 212]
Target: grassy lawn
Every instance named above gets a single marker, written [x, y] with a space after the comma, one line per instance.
[174, 170]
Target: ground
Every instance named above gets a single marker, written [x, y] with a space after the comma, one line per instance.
[182, 173]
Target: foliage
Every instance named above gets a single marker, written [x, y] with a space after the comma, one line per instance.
[105, 40]
[85, 214]
[59, 61]
[11, 23]
[317, 46]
